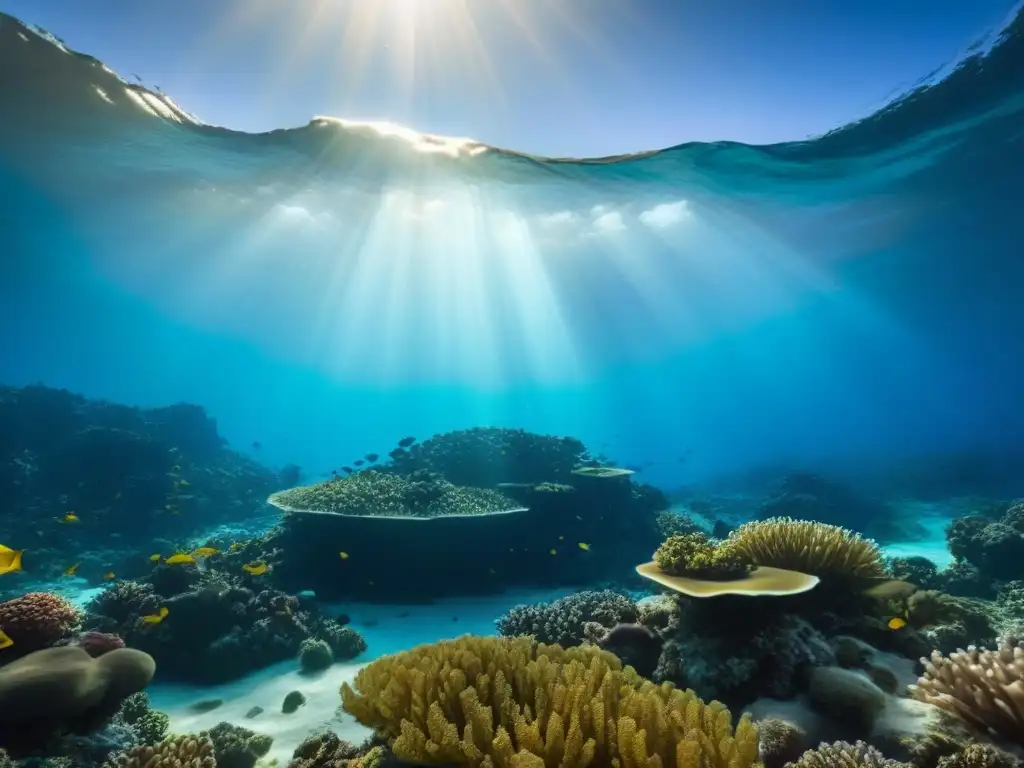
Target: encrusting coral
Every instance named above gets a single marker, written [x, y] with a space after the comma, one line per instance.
[175, 752]
[984, 688]
[807, 546]
[513, 703]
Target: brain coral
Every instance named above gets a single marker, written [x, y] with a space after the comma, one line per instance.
[37, 620]
[492, 701]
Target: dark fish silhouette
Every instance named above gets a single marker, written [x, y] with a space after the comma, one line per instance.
[372, 457]
[397, 453]
[347, 470]
[405, 442]
[359, 462]
[256, 445]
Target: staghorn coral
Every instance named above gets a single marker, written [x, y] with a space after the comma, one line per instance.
[35, 621]
[561, 622]
[237, 747]
[844, 755]
[806, 546]
[696, 556]
[513, 703]
[175, 752]
[984, 688]
[374, 493]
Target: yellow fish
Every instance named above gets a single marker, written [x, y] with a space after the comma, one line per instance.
[897, 622]
[584, 546]
[109, 576]
[234, 547]
[154, 558]
[155, 618]
[70, 517]
[184, 482]
[71, 570]
[205, 552]
[10, 559]
[5, 641]
[343, 555]
[256, 569]
[180, 558]
[553, 551]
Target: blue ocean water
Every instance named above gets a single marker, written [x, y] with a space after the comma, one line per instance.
[324, 290]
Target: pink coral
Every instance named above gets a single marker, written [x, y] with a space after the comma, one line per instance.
[37, 620]
[98, 643]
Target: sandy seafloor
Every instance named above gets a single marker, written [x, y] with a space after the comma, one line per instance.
[387, 629]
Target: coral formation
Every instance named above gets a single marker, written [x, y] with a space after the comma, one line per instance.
[480, 701]
[561, 622]
[98, 643]
[779, 742]
[323, 750]
[696, 556]
[315, 655]
[175, 752]
[292, 701]
[35, 621]
[237, 747]
[843, 755]
[991, 544]
[149, 726]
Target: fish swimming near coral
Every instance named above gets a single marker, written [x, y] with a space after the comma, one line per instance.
[69, 519]
[205, 551]
[372, 457]
[235, 547]
[180, 558]
[5, 640]
[584, 546]
[10, 559]
[358, 462]
[71, 570]
[109, 576]
[255, 568]
[896, 622]
[154, 558]
[405, 442]
[154, 618]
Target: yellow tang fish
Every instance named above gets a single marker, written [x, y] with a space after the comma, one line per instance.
[109, 576]
[180, 558]
[897, 622]
[234, 547]
[584, 546]
[154, 558]
[5, 641]
[205, 552]
[155, 618]
[343, 555]
[10, 559]
[70, 517]
[256, 569]
[71, 570]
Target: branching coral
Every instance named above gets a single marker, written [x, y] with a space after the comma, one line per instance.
[843, 755]
[697, 556]
[322, 750]
[562, 621]
[984, 688]
[149, 726]
[37, 620]
[176, 752]
[807, 546]
[237, 747]
[381, 494]
[512, 703]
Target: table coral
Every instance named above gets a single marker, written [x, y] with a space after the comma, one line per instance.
[485, 701]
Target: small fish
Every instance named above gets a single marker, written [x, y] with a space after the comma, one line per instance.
[343, 555]
[10, 559]
[184, 482]
[235, 547]
[561, 538]
[358, 462]
[69, 519]
[347, 470]
[891, 589]
[397, 453]
[897, 622]
[155, 618]
[5, 641]
[154, 558]
[255, 568]
[579, 518]
[71, 570]
[205, 552]
[584, 546]
[180, 558]
[256, 445]
[553, 551]
[405, 442]
[372, 457]
[109, 576]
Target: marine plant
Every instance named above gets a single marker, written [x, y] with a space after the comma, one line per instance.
[512, 702]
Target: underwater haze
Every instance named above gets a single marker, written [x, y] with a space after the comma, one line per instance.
[852, 300]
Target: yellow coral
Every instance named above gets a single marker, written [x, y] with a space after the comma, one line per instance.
[696, 556]
[807, 546]
[175, 752]
[498, 702]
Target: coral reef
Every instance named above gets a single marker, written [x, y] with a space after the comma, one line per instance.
[844, 755]
[35, 621]
[480, 701]
[323, 750]
[991, 544]
[561, 622]
[237, 747]
[175, 752]
[315, 656]
[697, 556]
[149, 726]
[98, 643]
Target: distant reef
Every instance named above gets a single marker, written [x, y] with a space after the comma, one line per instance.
[115, 476]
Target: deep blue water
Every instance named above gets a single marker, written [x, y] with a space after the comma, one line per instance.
[325, 290]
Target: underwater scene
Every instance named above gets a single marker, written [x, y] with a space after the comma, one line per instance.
[349, 446]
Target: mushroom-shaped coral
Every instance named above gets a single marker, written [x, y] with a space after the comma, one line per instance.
[984, 688]
[37, 620]
[807, 546]
[65, 689]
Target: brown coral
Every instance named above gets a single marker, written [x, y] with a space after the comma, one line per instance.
[807, 546]
[37, 620]
[844, 755]
[984, 688]
[175, 752]
[512, 703]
